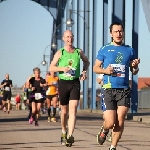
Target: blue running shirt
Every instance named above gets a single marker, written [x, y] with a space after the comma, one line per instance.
[119, 57]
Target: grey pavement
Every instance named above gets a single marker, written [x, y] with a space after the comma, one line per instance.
[17, 134]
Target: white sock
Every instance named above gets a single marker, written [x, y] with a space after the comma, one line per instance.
[64, 132]
[112, 147]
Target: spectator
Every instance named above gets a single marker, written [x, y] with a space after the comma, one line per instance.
[18, 100]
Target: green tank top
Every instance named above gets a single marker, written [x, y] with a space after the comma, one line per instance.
[71, 60]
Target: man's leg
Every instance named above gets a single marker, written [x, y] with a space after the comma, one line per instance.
[8, 109]
[48, 108]
[64, 117]
[119, 125]
[4, 102]
[8, 101]
[38, 108]
[109, 117]
[33, 112]
[73, 104]
[54, 99]
[109, 107]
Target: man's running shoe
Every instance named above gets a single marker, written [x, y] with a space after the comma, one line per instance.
[63, 138]
[112, 148]
[49, 119]
[53, 119]
[31, 120]
[101, 136]
[36, 123]
[70, 140]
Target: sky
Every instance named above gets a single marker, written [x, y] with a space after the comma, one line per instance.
[25, 33]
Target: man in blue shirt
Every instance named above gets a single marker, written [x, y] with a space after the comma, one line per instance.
[114, 60]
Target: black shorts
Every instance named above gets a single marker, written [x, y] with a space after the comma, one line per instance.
[36, 101]
[114, 97]
[68, 90]
[6, 95]
[1, 98]
[32, 99]
[51, 96]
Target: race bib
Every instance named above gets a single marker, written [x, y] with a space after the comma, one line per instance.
[38, 96]
[54, 83]
[24, 98]
[118, 70]
[71, 73]
[7, 88]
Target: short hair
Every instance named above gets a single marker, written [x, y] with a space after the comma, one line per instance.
[37, 69]
[116, 23]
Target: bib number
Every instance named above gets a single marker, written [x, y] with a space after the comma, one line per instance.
[118, 70]
[70, 73]
[7, 88]
[54, 83]
[38, 96]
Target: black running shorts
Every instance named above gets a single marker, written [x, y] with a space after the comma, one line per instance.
[51, 96]
[114, 97]
[68, 90]
[6, 95]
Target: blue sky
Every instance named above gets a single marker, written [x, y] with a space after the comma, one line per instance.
[25, 31]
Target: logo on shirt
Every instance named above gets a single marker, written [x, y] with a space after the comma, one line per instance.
[112, 50]
[119, 58]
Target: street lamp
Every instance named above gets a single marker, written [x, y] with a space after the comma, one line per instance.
[54, 45]
[70, 22]
[44, 62]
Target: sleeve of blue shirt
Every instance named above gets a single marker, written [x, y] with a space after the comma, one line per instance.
[100, 55]
[132, 54]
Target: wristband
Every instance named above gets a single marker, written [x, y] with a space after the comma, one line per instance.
[83, 71]
[137, 69]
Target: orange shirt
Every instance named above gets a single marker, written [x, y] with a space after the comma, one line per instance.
[52, 90]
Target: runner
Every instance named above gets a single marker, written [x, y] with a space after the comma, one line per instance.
[52, 95]
[116, 58]
[18, 100]
[27, 97]
[67, 62]
[36, 83]
[6, 85]
[100, 81]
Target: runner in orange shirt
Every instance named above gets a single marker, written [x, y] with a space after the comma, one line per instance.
[52, 95]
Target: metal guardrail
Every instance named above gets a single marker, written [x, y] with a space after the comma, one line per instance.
[144, 98]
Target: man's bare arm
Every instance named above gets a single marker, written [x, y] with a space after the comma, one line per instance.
[85, 61]
[53, 65]
[99, 70]
[134, 66]
[97, 67]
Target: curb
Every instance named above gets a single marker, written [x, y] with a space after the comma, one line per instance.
[138, 117]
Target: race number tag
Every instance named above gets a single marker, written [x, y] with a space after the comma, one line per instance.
[54, 83]
[7, 88]
[118, 70]
[38, 96]
[71, 73]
